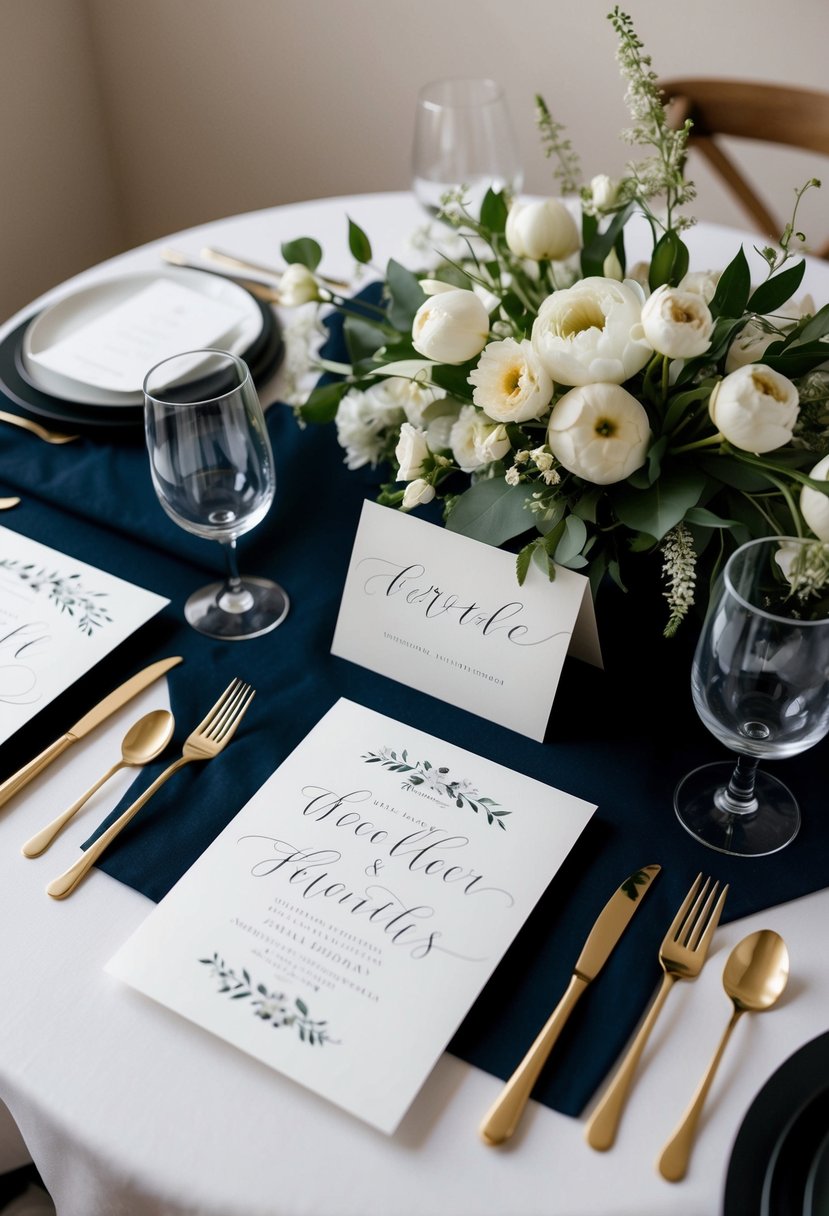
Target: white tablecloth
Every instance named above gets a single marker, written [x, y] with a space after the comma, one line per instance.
[128, 1109]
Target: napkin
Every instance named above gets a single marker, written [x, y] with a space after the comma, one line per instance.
[619, 738]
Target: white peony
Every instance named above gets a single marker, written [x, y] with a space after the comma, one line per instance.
[814, 504]
[677, 324]
[475, 440]
[509, 383]
[364, 422]
[451, 327]
[703, 282]
[542, 231]
[755, 408]
[416, 494]
[297, 285]
[591, 332]
[411, 451]
[599, 432]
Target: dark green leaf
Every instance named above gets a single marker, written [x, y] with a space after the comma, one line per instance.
[358, 242]
[522, 562]
[572, 540]
[707, 519]
[731, 297]
[302, 1007]
[362, 338]
[777, 290]
[669, 261]
[594, 253]
[304, 250]
[494, 211]
[491, 511]
[454, 378]
[323, 402]
[662, 506]
[406, 295]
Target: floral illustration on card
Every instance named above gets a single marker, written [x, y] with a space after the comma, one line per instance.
[274, 1007]
[440, 780]
[66, 592]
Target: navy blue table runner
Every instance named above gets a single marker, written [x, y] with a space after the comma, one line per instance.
[620, 738]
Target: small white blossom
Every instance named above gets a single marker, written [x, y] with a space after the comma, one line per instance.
[365, 421]
[679, 569]
[512, 476]
[417, 493]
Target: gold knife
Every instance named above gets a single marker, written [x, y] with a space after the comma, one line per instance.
[503, 1117]
[111, 702]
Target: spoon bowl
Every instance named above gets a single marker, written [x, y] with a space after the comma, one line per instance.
[755, 977]
[144, 741]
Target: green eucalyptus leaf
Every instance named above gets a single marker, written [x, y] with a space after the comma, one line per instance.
[572, 541]
[362, 339]
[662, 506]
[491, 511]
[777, 290]
[358, 242]
[304, 250]
[406, 295]
[323, 402]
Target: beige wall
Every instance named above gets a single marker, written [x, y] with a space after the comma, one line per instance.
[124, 120]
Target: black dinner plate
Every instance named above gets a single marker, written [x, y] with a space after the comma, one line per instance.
[263, 356]
[782, 1133]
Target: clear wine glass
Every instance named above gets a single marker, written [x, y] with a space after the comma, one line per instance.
[212, 468]
[760, 684]
[463, 137]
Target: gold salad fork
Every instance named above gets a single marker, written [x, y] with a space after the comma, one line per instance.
[211, 736]
[36, 429]
[682, 954]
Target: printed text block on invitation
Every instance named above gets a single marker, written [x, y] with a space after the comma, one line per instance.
[445, 614]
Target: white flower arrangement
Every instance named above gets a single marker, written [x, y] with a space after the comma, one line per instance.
[578, 410]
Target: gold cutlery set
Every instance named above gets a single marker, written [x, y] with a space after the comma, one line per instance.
[144, 741]
[754, 977]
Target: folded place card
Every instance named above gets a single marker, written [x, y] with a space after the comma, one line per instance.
[58, 618]
[443, 613]
[342, 925]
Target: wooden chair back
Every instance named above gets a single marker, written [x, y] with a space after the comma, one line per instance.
[773, 113]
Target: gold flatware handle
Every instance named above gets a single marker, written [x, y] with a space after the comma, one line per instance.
[27, 424]
[231, 260]
[604, 1122]
[260, 290]
[673, 1162]
[60, 887]
[41, 840]
[505, 1114]
[6, 504]
[29, 771]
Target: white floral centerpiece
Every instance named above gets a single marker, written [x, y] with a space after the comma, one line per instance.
[579, 409]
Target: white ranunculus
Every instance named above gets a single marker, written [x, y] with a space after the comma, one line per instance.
[755, 408]
[476, 441]
[509, 383]
[297, 285]
[814, 504]
[703, 282]
[451, 327]
[677, 323]
[411, 451]
[599, 432]
[542, 231]
[751, 342]
[417, 493]
[603, 190]
[591, 332]
[363, 421]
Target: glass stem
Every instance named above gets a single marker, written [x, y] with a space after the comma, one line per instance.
[233, 596]
[738, 796]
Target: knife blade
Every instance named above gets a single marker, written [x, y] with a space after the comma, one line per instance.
[503, 1117]
[110, 703]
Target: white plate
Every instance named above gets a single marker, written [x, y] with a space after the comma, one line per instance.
[61, 319]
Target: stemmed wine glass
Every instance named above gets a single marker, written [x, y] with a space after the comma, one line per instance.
[760, 684]
[212, 468]
[463, 137]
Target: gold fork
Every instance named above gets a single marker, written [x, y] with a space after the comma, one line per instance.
[36, 429]
[211, 736]
[682, 954]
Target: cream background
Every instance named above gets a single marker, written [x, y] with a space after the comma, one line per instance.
[124, 120]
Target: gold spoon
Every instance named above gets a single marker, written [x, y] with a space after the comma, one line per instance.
[755, 976]
[144, 740]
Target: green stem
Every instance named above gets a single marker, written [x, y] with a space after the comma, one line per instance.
[698, 443]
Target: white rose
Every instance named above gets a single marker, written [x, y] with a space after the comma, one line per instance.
[591, 332]
[542, 231]
[475, 440]
[677, 323]
[599, 432]
[416, 494]
[755, 408]
[603, 190]
[510, 384]
[751, 342]
[411, 451]
[297, 285]
[451, 327]
[814, 504]
[703, 282]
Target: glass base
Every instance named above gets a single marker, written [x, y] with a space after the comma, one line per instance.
[755, 833]
[258, 607]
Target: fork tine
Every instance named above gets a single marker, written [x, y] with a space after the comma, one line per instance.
[232, 716]
[713, 921]
[682, 912]
[696, 929]
[215, 709]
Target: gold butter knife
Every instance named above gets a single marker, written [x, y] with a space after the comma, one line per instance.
[504, 1116]
[111, 702]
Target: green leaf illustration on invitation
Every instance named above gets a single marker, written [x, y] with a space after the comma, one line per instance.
[65, 592]
[439, 780]
[273, 1007]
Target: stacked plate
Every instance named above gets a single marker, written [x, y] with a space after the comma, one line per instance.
[779, 1162]
[48, 364]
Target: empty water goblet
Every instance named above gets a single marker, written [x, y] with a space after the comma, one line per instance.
[760, 684]
[212, 468]
[463, 139]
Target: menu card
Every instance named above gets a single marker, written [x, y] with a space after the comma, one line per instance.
[58, 618]
[342, 925]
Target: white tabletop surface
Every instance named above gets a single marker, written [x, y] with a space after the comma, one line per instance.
[128, 1109]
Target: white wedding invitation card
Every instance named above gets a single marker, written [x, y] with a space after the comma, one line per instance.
[342, 925]
[445, 614]
[58, 618]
